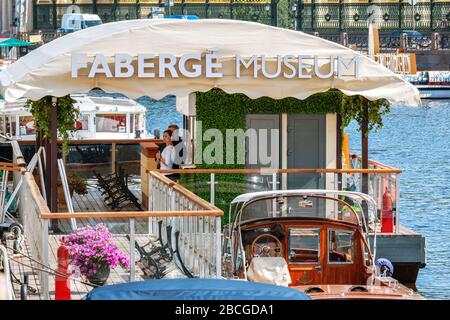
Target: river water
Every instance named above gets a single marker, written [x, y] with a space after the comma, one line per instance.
[416, 140]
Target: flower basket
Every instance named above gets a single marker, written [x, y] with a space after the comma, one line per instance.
[93, 252]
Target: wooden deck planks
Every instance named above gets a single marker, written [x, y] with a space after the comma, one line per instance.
[22, 265]
[93, 202]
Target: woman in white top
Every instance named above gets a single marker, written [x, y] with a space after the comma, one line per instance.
[167, 156]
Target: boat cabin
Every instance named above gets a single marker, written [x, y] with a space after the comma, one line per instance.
[100, 117]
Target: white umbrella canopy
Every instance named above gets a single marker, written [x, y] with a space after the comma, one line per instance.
[47, 70]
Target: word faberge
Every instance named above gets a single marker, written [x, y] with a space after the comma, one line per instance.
[194, 65]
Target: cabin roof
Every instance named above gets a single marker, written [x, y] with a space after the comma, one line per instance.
[358, 196]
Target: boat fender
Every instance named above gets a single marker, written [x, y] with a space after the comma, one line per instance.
[384, 267]
[314, 290]
[358, 289]
[387, 217]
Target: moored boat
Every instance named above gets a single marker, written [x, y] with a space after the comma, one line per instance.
[314, 240]
[100, 117]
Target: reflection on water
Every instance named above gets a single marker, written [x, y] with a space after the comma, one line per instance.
[417, 140]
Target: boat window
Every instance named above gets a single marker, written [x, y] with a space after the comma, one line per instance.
[2, 125]
[82, 122]
[304, 245]
[289, 206]
[111, 123]
[26, 125]
[340, 246]
[135, 122]
[133, 126]
[13, 125]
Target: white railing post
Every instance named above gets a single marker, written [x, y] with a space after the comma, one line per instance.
[173, 220]
[212, 190]
[218, 234]
[132, 250]
[44, 277]
[397, 203]
[150, 201]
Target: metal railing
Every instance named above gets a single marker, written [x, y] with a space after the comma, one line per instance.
[220, 186]
[195, 226]
[396, 62]
[198, 236]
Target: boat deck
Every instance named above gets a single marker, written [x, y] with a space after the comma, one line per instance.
[22, 265]
[93, 202]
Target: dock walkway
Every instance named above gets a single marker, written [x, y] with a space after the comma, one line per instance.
[22, 265]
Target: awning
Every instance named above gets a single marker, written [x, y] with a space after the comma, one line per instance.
[47, 69]
[13, 42]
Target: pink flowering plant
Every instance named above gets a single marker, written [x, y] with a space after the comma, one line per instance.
[92, 247]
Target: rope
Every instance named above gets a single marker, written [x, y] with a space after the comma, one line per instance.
[52, 272]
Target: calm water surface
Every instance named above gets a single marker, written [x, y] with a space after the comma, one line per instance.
[416, 140]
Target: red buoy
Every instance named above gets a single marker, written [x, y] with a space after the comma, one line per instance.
[62, 283]
[387, 218]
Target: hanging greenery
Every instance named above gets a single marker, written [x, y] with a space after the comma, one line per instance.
[353, 108]
[219, 110]
[67, 115]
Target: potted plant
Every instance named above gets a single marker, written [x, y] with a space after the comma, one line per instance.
[92, 250]
[76, 184]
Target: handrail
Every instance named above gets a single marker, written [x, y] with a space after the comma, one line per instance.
[19, 159]
[6, 166]
[39, 201]
[274, 170]
[130, 214]
[106, 141]
[378, 164]
[184, 191]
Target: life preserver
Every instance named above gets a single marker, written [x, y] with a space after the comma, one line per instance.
[356, 17]
[384, 267]
[417, 16]
[386, 17]
[327, 17]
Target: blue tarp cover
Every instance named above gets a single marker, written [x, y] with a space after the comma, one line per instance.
[194, 289]
[185, 17]
[409, 33]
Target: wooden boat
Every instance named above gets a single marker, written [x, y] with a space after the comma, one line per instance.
[314, 240]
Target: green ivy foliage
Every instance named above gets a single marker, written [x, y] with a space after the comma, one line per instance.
[219, 110]
[66, 117]
[353, 108]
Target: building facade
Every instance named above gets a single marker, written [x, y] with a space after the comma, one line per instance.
[48, 13]
[323, 16]
[353, 15]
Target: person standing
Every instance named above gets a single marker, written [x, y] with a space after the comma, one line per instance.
[166, 158]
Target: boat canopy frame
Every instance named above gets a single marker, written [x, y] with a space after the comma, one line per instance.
[244, 200]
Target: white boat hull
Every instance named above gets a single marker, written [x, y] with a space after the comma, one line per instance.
[434, 91]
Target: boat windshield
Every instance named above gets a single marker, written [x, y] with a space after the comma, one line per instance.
[313, 206]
